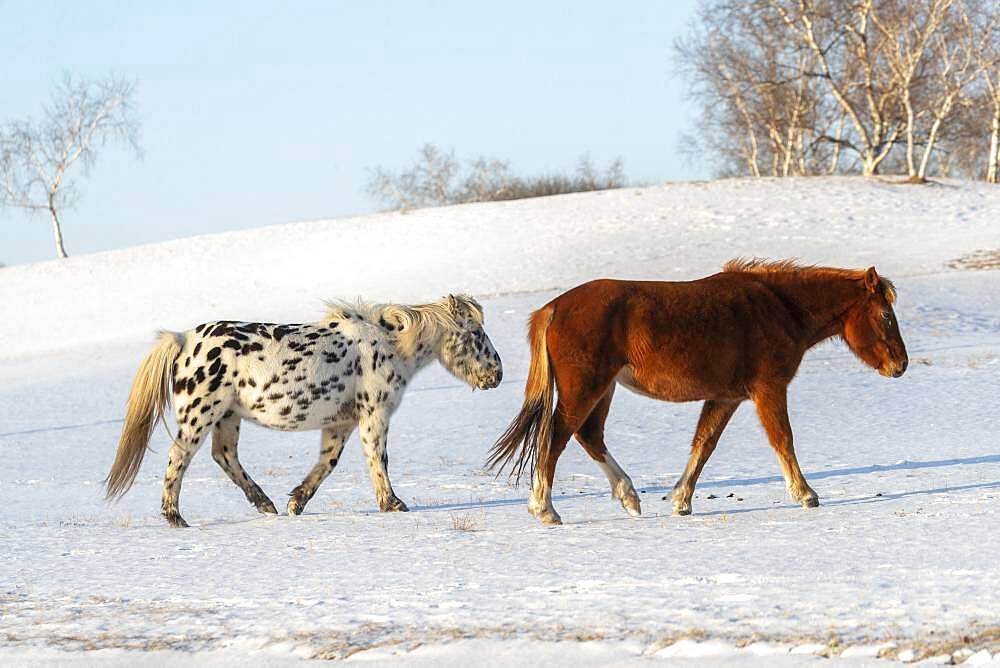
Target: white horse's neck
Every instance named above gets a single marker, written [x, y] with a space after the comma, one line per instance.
[426, 350]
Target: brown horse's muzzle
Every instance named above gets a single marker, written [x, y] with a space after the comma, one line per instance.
[894, 369]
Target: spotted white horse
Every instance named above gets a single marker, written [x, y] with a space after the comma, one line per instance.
[348, 370]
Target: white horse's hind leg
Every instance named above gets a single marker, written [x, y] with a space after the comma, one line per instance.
[225, 438]
[181, 452]
[374, 429]
[331, 446]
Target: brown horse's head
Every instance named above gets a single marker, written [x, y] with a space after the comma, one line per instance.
[871, 330]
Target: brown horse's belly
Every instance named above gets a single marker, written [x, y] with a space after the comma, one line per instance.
[667, 387]
[662, 388]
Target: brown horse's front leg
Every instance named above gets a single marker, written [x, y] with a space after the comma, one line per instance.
[772, 408]
[715, 416]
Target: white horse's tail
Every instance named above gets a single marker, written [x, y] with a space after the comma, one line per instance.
[147, 401]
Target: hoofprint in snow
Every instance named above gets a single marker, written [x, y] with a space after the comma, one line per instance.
[899, 561]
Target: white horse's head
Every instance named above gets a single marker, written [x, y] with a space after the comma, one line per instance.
[466, 351]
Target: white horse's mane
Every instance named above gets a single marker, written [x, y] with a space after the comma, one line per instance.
[408, 324]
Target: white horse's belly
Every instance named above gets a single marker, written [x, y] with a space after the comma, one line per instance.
[311, 395]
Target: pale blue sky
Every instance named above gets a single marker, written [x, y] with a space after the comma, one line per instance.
[260, 113]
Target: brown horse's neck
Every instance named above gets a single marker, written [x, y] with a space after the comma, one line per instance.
[820, 299]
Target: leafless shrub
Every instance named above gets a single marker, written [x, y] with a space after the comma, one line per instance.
[465, 522]
[977, 260]
[436, 179]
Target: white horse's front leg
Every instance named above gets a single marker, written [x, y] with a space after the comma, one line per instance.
[374, 430]
[332, 445]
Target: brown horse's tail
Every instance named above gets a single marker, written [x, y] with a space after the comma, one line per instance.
[529, 432]
[147, 400]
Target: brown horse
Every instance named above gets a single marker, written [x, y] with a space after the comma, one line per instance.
[739, 334]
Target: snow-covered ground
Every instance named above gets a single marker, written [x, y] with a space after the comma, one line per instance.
[899, 561]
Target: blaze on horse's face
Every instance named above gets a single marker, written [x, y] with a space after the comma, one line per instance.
[467, 352]
[871, 330]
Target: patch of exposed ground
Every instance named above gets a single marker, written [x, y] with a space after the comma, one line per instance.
[977, 260]
[950, 647]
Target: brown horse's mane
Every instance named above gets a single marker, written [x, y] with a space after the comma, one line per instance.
[756, 265]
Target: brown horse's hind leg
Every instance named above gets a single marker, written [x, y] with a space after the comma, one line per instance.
[772, 408]
[571, 411]
[591, 437]
[714, 418]
[540, 500]
[225, 438]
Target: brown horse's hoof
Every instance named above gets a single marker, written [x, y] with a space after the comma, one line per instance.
[551, 519]
[811, 502]
[632, 506]
[682, 512]
[547, 517]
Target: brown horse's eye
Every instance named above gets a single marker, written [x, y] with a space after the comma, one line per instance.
[886, 316]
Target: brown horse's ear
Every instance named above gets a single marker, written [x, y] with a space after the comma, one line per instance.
[871, 280]
[453, 304]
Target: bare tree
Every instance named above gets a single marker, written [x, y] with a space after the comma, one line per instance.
[850, 58]
[954, 69]
[984, 20]
[37, 158]
[791, 87]
[763, 108]
[908, 28]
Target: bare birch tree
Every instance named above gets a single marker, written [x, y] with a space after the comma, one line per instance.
[985, 25]
[849, 53]
[790, 87]
[760, 112]
[38, 158]
[908, 28]
[954, 69]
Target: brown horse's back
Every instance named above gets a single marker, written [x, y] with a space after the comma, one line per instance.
[676, 341]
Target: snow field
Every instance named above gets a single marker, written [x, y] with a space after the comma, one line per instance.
[901, 551]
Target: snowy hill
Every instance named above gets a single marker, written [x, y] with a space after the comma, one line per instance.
[900, 559]
[669, 232]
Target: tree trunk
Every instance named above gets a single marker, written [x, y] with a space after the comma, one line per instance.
[57, 232]
[752, 157]
[991, 168]
[910, 166]
[835, 158]
[870, 166]
[931, 138]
